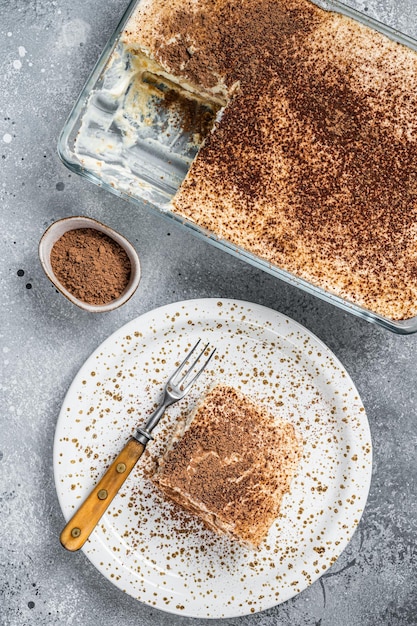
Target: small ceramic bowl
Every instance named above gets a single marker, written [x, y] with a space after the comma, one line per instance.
[55, 232]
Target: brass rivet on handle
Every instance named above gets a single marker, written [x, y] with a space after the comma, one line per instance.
[120, 468]
[75, 532]
[102, 494]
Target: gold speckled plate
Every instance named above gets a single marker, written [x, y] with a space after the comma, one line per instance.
[157, 553]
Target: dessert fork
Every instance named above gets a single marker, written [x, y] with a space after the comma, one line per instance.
[83, 522]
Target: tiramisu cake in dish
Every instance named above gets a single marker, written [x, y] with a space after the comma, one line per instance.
[312, 163]
[231, 466]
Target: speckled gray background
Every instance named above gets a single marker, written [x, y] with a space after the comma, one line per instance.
[48, 49]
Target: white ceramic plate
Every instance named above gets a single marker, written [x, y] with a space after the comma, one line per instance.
[147, 546]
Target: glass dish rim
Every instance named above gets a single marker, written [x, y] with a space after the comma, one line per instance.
[67, 156]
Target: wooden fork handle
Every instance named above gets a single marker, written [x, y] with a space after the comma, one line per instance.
[83, 522]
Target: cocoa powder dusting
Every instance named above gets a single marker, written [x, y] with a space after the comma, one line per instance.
[90, 265]
[312, 164]
[233, 477]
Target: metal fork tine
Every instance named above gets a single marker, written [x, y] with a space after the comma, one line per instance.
[200, 371]
[182, 365]
[184, 380]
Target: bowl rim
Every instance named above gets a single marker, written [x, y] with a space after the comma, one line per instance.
[63, 225]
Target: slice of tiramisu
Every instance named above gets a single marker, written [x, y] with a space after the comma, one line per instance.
[231, 466]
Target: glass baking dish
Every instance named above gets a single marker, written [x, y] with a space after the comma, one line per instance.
[146, 161]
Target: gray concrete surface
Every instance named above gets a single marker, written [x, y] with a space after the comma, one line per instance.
[48, 48]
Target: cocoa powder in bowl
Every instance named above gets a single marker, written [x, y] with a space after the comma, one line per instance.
[92, 266]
